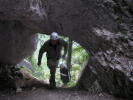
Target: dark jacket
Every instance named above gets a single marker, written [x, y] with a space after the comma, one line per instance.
[53, 52]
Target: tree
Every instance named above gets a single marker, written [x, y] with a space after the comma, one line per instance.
[69, 57]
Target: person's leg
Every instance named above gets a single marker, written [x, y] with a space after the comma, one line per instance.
[52, 77]
[52, 66]
[64, 85]
[64, 81]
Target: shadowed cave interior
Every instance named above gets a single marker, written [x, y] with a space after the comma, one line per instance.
[104, 28]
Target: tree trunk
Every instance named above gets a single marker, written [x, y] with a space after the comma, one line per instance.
[69, 57]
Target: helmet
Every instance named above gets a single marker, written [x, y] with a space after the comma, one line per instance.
[54, 36]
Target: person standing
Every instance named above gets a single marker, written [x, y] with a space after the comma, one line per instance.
[53, 48]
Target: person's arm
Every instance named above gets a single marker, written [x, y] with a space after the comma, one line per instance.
[65, 45]
[42, 50]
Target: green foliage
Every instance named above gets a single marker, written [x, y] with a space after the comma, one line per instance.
[79, 56]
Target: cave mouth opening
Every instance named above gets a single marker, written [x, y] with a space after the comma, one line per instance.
[75, 62]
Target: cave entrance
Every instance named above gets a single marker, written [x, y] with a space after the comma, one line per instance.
[75, 60]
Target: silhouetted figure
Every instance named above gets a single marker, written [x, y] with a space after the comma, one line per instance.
[65, 75]
[53, 48]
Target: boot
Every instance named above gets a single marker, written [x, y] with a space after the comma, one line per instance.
[52, 84]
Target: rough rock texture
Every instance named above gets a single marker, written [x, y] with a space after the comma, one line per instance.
[16, 42]
[8, 75]
[12, 77]
[103, 27]
[19, 21]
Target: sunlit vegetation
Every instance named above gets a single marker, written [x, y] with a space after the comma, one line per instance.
[79, 57]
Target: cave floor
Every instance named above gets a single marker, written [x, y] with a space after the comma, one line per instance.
[56, 94]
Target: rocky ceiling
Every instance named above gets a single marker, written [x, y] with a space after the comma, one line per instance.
[103, 27]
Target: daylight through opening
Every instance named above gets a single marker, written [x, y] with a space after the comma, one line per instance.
[74, 61]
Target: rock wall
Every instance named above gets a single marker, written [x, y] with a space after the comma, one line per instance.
[103, 27]
[19, 21]
[16, 42]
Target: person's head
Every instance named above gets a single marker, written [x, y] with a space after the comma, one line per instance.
[62, 66]
[54, 38]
